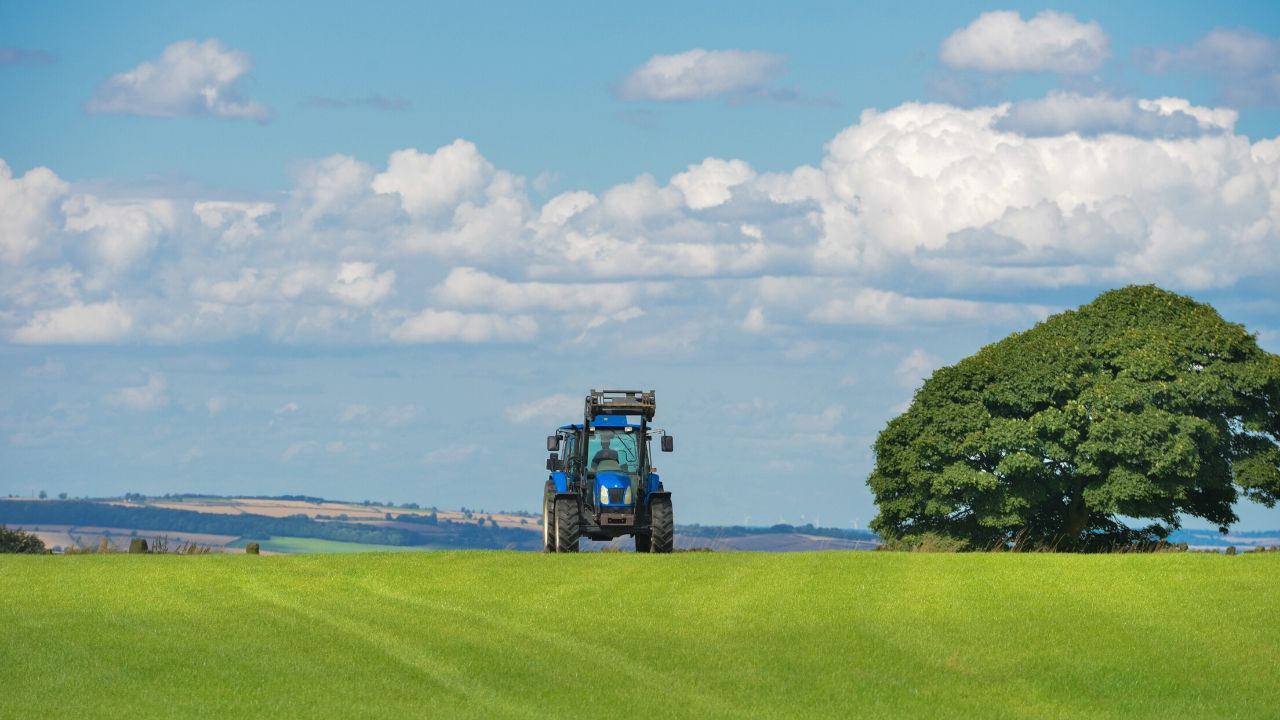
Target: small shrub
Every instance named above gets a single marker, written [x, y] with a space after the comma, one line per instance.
[1231, 549]
[17, 541]
[252, 548]
[925, 542]
[137, 546]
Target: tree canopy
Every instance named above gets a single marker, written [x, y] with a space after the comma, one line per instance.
[1142, 404]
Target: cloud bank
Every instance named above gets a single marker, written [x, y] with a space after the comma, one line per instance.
[922, 215]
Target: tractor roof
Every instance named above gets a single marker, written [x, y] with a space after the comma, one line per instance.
[605, 421]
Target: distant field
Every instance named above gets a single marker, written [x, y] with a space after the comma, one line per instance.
[500, 634]
[293, 545]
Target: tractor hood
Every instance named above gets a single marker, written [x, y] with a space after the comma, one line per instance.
[610, 488]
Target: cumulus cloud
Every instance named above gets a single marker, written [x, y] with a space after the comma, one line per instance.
[360, 284]
[868, 306]
[189, 78]
[1060, 113]
[27, 206]
[1244, 64]
[149, 396]
[237, 221]
[699, 73]
[122, 232]
[442, 326]
[472, 288]
[711, 182]
[552, 408]
[77, 324]
[1049, 42]
[428, 182]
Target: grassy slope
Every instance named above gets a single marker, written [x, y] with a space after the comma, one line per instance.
[474, 634]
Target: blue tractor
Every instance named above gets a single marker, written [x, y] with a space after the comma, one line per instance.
[602, 482]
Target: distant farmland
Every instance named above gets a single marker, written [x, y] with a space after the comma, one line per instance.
[731, 635]
[304, 525]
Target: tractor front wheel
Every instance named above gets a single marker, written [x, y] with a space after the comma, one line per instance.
[549, 517]
[662, 526]
[568, 524]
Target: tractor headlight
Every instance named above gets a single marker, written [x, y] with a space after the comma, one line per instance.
[626, 497]
[604, 495]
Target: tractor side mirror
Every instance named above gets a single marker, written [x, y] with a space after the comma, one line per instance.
[553, 463]
[553, 443]
[668, 443]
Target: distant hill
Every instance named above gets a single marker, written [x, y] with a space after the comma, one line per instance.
[299, 523]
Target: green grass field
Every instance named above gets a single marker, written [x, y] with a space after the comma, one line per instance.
[734, 635]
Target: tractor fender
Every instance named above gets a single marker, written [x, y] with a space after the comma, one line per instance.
[561, 481]
[648, 498]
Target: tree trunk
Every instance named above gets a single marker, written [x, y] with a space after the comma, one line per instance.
[1077, 514]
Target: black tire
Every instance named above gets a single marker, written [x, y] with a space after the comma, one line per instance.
[662, 525]
[568, 524]
[549, 517]
[642, 542]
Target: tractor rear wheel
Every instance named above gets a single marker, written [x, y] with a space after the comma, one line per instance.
[662, 525]
[549, 517]
[568, 524]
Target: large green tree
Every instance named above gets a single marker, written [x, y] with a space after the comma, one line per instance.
[1142, 404]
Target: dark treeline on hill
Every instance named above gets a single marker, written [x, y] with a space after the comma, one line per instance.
[716, 531]
[1142, 404]
[35, 513]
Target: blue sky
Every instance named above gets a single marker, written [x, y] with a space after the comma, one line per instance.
[380, 253]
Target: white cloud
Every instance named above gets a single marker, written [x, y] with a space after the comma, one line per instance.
[1049, 42]
[915, 367]
[1244, 64]
[553, 408]
[237, 221]
[711, 183]
[122, 232]
[189, 78]
[149, 396]
[360, 284]
[216, 404]
[1060, 113]
[77, 324]
[286, 409]
[472, 288]
[700, 73]
[428, 182]
[918, 200]
[26, 209]
[430, 326]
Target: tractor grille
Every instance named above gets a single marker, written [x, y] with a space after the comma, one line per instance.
[616, 495]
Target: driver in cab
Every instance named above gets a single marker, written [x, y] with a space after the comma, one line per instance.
[604, 453]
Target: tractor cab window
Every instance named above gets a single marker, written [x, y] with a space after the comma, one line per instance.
[613, 449]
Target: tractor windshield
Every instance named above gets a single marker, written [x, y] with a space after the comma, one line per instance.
[611, 449]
